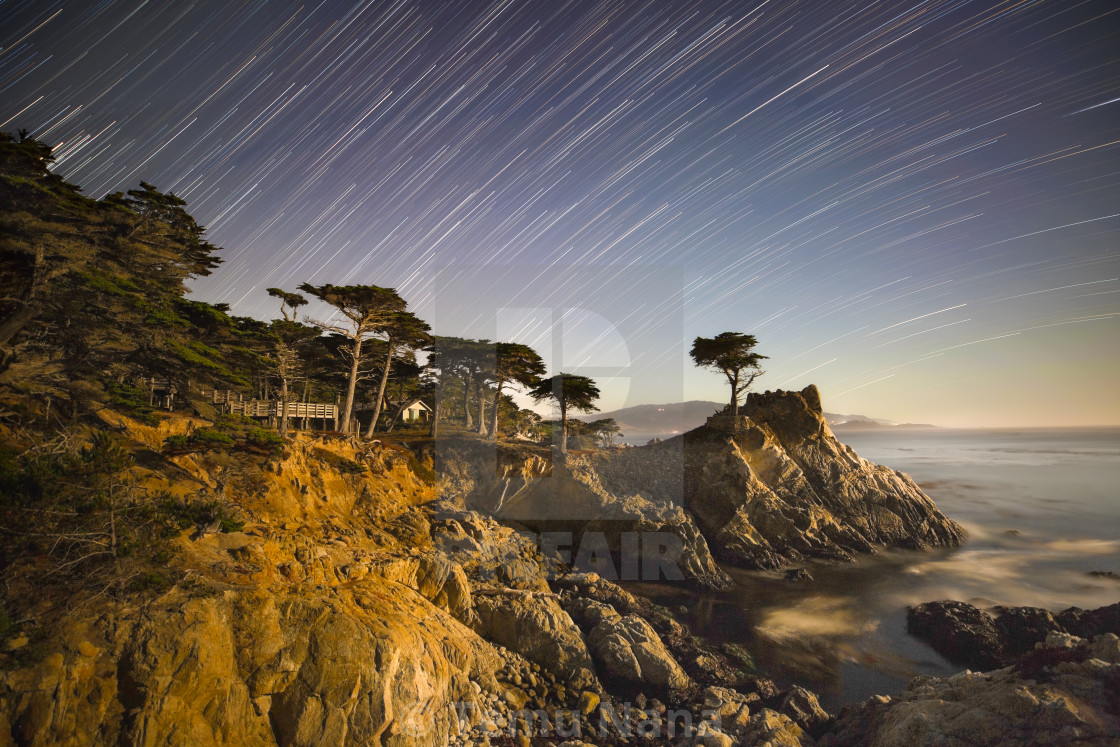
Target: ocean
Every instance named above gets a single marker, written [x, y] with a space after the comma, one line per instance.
[1042, 511]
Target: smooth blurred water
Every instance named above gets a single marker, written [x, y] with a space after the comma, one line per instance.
[1042, 509]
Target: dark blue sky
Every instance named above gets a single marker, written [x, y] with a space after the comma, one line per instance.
[913, 205]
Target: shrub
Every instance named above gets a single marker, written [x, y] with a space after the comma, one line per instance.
[265, 437]
[186, 514]
[209, 436]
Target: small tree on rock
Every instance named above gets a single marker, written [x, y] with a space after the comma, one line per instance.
[732, 354]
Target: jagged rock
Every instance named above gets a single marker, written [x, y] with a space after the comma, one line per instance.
[1023, 627]
[590, 586]
[587, 613]
[805, 710]
[775, 729]
[628, 648]
[774, 485]
[488, 551]
[517, 485]
[726, 702]
[438, 579]
[245, 668]
[536, 627]
[959, 632]
[1089, 623]
[1053, 696]
[766, 488]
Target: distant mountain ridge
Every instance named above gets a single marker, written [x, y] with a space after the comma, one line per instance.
[679, 417]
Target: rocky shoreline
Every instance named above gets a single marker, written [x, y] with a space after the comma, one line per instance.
[405, 596]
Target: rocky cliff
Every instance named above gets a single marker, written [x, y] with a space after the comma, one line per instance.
[377, 594]
[761, 490]
[348, 605]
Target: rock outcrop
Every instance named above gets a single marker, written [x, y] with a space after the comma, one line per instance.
[774, 485]
[763, 489]
[628, 648]
[518, 485]
[376, 664]
[1063, 692]
[536, 627]
[967, 635]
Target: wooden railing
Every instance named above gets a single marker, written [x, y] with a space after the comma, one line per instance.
[236, 404]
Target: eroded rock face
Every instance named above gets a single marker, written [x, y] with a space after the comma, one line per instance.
[629, 648]
[375, 665]
[774, 485]
[536, 627]
[569, 499]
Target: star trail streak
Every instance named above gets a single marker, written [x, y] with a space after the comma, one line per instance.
[815, 173]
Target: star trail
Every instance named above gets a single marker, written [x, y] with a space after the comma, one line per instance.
[914, 205]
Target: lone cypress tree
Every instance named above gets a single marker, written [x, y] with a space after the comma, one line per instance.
[732, 354]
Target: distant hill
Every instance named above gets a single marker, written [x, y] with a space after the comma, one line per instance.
[678, 417]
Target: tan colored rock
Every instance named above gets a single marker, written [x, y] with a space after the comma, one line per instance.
[244, 668]
[628, 647]
[536, 627]
[776, 729]
[1070, 702]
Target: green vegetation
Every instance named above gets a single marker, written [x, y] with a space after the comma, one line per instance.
[95, 319]
[180, 514]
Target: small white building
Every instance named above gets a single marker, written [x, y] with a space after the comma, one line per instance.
[416, 412]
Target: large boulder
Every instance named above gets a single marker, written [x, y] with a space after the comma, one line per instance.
[958, 631]
[536, 627]
[628, 648]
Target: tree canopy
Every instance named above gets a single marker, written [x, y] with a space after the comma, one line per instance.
[514, 363]
[369, 310]
[571, 393]
[732, 354]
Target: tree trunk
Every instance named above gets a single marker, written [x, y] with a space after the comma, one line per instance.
[494, 414]
[481, 411]
[352, 386]
[283, 406]
[437, 403]
[381, 390]
[467, 381]
[563, 428]
[735, 395]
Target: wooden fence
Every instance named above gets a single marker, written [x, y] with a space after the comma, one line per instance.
[236, 404]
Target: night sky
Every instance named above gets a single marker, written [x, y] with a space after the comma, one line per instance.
[914, 205]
